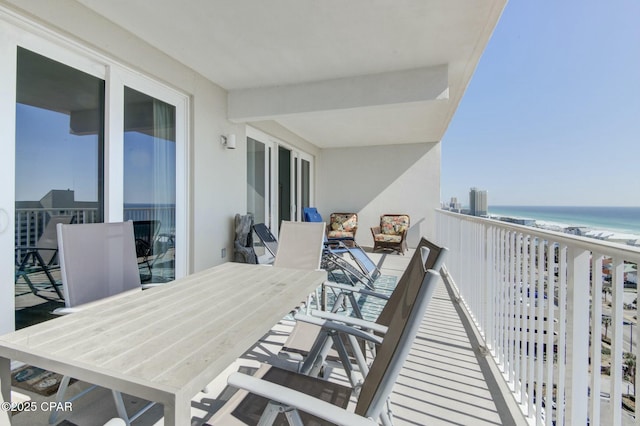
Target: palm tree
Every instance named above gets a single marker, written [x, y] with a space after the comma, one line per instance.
[629, 360]
[606, 321]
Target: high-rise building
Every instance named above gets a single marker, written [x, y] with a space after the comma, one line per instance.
[454, 205]
[478, 202]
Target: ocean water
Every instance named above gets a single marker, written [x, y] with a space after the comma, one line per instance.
[624, 220]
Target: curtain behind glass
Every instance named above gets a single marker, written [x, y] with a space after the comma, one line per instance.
[150, 182]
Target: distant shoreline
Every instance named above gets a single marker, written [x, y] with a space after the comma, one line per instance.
[615, 224]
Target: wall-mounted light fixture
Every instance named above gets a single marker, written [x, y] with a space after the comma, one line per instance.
[228, 141]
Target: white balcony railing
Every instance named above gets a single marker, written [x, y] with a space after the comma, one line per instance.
[535, 296]
[31, 222]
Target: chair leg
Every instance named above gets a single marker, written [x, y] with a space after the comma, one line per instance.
[122, 412]
[62, 390]
[274, 408]
[386, 417]
[269, 414]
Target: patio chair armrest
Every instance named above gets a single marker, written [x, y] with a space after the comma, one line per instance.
[375, 230]
[339, 327]
[299, 400]
[351, 321]
[66, 311]
[352, 289]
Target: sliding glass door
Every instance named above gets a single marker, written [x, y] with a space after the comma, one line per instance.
[83, 141]
[279, 180]
[59, 171]
[286, 184]
[258, 179]
[150, 182]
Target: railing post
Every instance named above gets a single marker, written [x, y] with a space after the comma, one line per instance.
[596, 334]
[617, 319]
[577, 364]
[550, 321]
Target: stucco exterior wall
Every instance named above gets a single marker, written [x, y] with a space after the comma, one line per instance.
[383, 179]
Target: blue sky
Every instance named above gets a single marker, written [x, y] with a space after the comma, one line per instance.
[552, 114]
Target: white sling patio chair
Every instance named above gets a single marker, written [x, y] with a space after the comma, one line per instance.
[362, 269]
[300, 247]
[98, 263]
[282, 397]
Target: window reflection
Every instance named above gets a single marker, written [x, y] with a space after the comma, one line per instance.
[59, 149]
[150, 182]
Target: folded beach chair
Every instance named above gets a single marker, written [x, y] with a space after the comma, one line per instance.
[269, 241]
[313, 347]
[275, 396]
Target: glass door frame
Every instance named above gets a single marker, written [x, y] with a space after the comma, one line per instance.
[16, 31]
[12, 36]
[114, 141]
[299, 157]
[272, 144]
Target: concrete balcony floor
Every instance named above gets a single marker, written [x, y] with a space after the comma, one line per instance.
[446, 379]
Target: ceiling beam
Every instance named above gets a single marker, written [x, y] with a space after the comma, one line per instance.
[391, 88]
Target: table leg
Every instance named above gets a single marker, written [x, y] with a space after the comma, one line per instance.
[177, 413]
[5, 387]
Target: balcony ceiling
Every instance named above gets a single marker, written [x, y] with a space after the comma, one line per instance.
[337, 73]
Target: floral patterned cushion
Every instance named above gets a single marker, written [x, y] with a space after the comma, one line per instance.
[339, 234]
[343, 223]
[388, 238]
[393, 225]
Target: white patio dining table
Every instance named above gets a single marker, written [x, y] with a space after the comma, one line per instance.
[167, 343]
